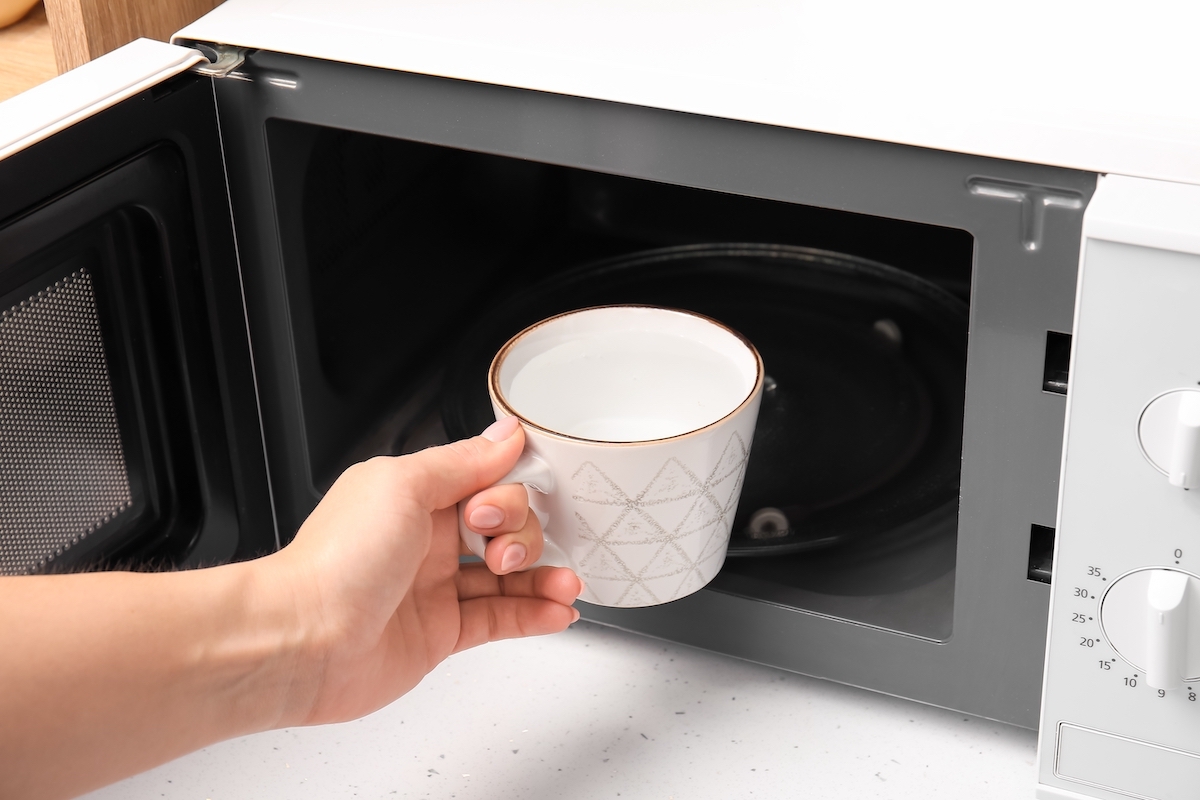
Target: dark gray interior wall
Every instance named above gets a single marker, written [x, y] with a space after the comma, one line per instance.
[1026, 223]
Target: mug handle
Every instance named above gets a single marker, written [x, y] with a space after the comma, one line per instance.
[535, 474]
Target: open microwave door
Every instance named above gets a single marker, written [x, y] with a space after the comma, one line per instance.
[129, 427]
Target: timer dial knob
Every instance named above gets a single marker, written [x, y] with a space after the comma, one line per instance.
[1169, 433]
[1151, 617]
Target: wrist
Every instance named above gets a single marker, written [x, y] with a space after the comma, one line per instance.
[260, 657]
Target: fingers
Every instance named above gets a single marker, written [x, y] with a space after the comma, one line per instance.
[530, 603]
[502, 512]
[489, 619]
[439, 477]
[498, 509]
[551, 583]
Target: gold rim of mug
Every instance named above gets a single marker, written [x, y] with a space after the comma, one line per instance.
[499, 399]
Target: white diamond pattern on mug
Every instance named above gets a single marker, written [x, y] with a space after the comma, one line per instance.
[664, 542]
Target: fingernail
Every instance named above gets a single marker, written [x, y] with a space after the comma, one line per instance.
[576, 610]
[500, 430]
[582, 586]
[486, 517]
[513, 556]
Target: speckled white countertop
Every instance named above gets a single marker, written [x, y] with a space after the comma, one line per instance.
[599, 713]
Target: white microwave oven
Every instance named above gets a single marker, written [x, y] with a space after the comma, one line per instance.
[232, 266]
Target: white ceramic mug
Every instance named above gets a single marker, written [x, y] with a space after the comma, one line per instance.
[638, 423]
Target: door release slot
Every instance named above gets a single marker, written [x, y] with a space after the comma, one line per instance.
[1041, 553]
[1058, 362]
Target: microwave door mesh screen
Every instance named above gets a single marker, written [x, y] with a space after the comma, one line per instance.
[63, 472]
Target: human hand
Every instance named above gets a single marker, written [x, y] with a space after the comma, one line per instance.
[114, 672]
[377, 587]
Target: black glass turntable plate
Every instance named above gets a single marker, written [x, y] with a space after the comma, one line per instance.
[860, 429]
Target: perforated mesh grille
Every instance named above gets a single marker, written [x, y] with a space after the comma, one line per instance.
[62, 468]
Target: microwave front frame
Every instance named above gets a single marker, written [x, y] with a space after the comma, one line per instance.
[1025, 219]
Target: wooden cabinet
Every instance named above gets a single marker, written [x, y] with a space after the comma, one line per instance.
[84, 29]
[26, 54]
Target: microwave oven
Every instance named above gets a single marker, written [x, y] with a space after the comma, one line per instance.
[232, 266]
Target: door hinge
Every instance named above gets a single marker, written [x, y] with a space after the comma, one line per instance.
[222, 59]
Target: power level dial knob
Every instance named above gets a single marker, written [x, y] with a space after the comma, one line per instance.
[1151, 617]
[1169, 433]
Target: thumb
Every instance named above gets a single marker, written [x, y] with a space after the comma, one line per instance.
[439, 477]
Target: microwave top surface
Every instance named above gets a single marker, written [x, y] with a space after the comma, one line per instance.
[1079, 85]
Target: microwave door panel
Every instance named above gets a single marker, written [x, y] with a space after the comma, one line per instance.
[55, 105]
[129, 430]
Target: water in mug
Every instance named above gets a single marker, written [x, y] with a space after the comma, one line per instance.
[628, 386]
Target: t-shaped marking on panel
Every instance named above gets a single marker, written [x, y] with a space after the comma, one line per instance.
[1034, 201]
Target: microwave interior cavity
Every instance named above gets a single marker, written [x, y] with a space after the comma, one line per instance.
[397, 253]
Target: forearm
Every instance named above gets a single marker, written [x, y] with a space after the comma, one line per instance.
[107, 674]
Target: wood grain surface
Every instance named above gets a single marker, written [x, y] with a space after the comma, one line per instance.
[85, 29]
[26, 54]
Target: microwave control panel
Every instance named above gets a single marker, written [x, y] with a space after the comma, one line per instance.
[1121, 700]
